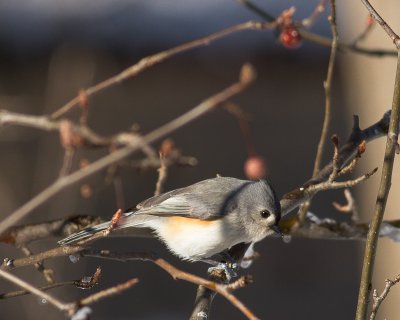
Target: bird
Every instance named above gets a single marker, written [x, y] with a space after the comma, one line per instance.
[204, 219]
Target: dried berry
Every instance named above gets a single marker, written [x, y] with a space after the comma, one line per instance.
[290, 37]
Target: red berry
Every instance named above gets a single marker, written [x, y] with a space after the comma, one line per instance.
[255, 168]
[290, 37]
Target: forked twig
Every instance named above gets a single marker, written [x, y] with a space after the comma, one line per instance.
[379, 299]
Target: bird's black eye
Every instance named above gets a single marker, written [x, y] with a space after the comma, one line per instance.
[265, 213]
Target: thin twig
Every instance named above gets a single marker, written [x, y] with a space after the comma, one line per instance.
[22, 235]
[379, 299]
[69, 309]
[395, 38]
[152, 60]
[108, 292]
[162, 176]
[244, 125]
[19, 293]
[368, 28]
[48, 274]
[346, 160]
[349, 207]
[84, 283]
[67, 161]
[247, 76]
[327, 87]
[335, 165]
[37, 292]
[384, 187]
[339, 185]
[319, 9]
[327, 115]
[119, 191]
[113, 176]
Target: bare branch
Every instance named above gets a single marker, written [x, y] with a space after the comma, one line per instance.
[22, 235]
[152, 60]
[37, 292]
[247, 76]
[321, 40]
[385, 183]
[339, 185]
[224, 290]
[162, 176]
[350, 207]
[335, 167]
[395, 38]
[369, 26]
[19, 293]
[108, 292]
[319, 9]
[48, 274]
[327, 115]
[84, 283]
[379, 299]
[125, 257]
[347, 154]
[73, 308]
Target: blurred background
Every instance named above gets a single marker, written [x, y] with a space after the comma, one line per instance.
[49, 50]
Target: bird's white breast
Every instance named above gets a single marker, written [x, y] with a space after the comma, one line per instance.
[194, 239]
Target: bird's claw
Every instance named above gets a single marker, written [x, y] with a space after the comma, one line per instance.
[228, 268]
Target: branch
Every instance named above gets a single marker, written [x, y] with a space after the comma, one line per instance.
[47, 273]
[247, 76]
[84, 283]
[327, 116]
[384, 187]
[321, 40]
[152, 60]
[37, 292]
[350, 207]
[222, 289]
[379, 299]
[162, 175]
[22, 235]
[70, 309]
[395, 38]
[346, 155]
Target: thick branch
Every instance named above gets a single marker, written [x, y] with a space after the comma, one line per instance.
[386, 181]
[383, 193]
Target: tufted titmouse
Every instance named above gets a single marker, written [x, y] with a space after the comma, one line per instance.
[203, 219]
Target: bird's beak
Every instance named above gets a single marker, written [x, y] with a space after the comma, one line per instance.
[277, 229]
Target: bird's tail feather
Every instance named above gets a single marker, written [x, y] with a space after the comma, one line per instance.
[85, 233]
[126, 221]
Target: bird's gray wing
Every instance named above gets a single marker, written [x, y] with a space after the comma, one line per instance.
[206, 200]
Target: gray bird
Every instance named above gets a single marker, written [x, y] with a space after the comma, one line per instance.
[203, 219]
